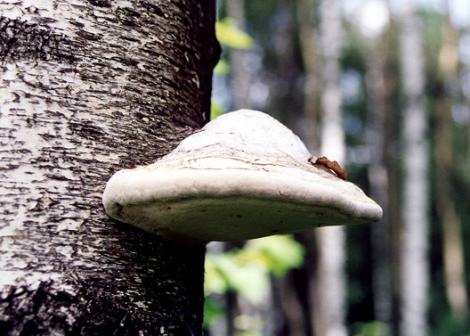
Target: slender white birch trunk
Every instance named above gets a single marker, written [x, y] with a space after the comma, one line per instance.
[453, 251]
[86, 88]
[330, 301]
[308, 39]
[240, 73]
[301, 318]
[379, 106]
[414, 258]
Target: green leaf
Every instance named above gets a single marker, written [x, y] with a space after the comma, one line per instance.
[277, 253]
[251, 281]
[222, 68]
[215, 278]
[224, 272]
[216, 110]
[372, 328]
[229, 35]
[212, 311]
[247, 270]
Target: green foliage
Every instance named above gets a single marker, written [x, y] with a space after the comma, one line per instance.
[432, 35]
[216, 110]
[373, 328]
[229, 35]
[248, 333]
[212, 311]
[276, 254]
[225, 272]
[222, 68]
[247, 270]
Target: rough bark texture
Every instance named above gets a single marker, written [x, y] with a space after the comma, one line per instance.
[86, 88]
[414, 248]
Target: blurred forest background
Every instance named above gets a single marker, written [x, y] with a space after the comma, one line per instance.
[384, 88]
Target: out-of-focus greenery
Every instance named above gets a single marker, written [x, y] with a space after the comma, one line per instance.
[247, 270]
[222, 68]
[279, 76]
[216, 110]
[229, 35]
[212, 311]
[373, 328]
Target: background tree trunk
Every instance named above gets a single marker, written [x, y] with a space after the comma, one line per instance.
[330, 292]
[453, 253]
[239, 69]
[87, 88]
[302, 281]
[414, 259]
[306, 10]
[379, 90]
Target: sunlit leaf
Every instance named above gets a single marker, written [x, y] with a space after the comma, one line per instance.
[224, 272]
[212, 311]
[215, 110]
[229, 35]
[222, 68]
[251, 281]
[373, 328]
[277, 253]
[216, 278]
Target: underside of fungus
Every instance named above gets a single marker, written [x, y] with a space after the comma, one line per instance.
[244, 175]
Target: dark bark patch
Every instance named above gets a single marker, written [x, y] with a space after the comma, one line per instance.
[87, 130]
[88, 36]
[151, 8]
[129, 61]
[38, 299]
[6, 327]
[22, 40]
[100, 3]
[128, 16]
[40, 313]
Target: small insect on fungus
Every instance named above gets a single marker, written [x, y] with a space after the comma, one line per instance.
[330, 166]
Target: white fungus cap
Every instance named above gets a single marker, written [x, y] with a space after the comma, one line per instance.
[244, 175]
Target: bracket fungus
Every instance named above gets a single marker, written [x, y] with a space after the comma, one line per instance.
[244, 175]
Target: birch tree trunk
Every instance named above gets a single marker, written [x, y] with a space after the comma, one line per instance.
[240, 91]
[240, 74]
[87, 88]
[453, 253]
[330, 299]
[414, 260]
[310, 58]
[379, 90]
[302, 281]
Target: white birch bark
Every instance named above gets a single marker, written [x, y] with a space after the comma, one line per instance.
[308, 36]
[453, 245]
[414, 259]
[330, 300]
[240, 73]
[379, 90]
[86, 88]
